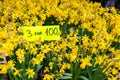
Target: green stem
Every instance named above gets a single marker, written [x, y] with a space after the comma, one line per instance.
[89, 73]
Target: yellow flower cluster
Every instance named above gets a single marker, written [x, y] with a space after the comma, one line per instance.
[90, 39]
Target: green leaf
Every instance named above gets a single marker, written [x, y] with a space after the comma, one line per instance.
[89, 71]
[72, 68]
[82, 77]
[38, 67]
[67, 74]
[65, 77]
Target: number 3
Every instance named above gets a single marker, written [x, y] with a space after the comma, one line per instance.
[29, 33]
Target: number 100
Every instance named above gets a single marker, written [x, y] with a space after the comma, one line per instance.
[52, 31]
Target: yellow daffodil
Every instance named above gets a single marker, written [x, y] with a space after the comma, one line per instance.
[48, 77]
[17, 72]
[30, 73]
[3, 68]
[85, 62]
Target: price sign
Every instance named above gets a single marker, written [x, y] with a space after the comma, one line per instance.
[41, 32]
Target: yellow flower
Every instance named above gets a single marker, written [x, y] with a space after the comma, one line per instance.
[46, 70]
[51, 65]
[20, 58]
[75, 50]
[99, 60]
[34, 51]
[10, 64]
[85, 62]
[113, 78]
[30, 73]
[117, 64]
[64, 67]
[40, 57]
[4, 35]
[117, 55]
[58, 10]
[72, 57]
[114, 71]
[17, 72]
[35, 61]
[48, 77]
[94, 50]
[59, 58]
[85, 41]
[3, 68]
[7, 48]
[20, 55]
[45, 48]
[112, 49]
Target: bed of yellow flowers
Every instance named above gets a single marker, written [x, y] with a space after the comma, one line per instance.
[88, 49]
